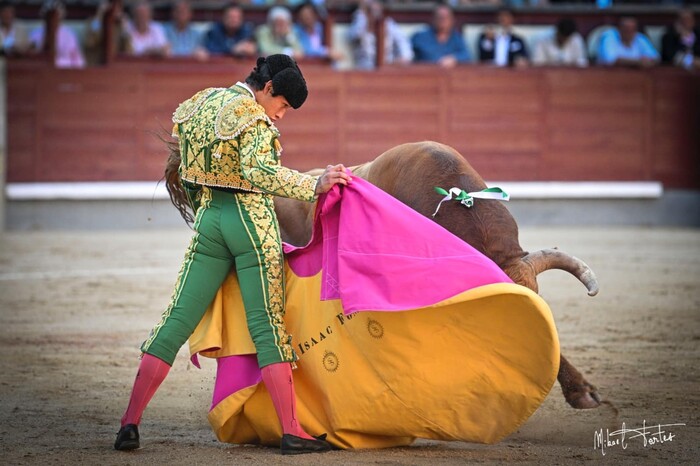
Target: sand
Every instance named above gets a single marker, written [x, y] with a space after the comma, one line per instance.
[74, 308]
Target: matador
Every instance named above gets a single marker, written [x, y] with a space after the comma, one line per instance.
[230, 169]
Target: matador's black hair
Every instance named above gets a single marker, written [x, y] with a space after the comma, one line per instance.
[285, 75]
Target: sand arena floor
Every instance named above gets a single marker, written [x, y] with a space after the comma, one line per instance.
[75, 306]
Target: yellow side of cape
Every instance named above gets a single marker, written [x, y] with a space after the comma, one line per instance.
[472, 368]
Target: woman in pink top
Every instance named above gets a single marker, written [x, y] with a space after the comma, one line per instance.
[147, 37]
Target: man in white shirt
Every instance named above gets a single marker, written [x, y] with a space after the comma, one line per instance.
[502, 47]
[13, 38]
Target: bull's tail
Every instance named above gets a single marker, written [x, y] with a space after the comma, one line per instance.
[177, 193]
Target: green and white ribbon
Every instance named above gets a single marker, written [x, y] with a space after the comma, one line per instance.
[467, 199]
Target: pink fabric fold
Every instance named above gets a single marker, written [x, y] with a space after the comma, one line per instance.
[378, 254]
[234, 373]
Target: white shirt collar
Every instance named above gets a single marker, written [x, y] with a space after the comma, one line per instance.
[246, 87]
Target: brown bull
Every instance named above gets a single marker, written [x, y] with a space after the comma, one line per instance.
[410, 172]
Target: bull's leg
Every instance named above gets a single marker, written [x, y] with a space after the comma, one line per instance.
[578, 392]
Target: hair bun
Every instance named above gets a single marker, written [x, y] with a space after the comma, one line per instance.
[259, 64]
[279, 62]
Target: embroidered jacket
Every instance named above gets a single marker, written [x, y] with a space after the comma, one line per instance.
[227, 140]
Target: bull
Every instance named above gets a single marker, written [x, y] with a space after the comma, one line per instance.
[410, 172]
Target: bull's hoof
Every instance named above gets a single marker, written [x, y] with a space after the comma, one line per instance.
[586, 397]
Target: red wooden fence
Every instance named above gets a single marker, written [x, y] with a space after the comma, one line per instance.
[594, 124]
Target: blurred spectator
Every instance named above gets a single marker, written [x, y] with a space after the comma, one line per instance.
[94, 36]
[625, 46]
[397, 48]
[146, 36]
[277, 36]
[502, 47]
[527, 3]
[565, 47]
[485, 2]
[184, 39]
[309, 31]
[14, 39]
[67, 48]
[232, 36]
[681, 42]
[440, 43]
[295, 3]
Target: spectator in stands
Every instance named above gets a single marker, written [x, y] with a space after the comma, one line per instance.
[441, 43]
[565, 47]
[14, 39]
[94, 36]
[680, 44]
[528, 3]
[184, 39]
[502, 47]
[277, 36]
[232, 36]
[296, 3]
[67, 48]
[146, 36]
[397, 48]
[625, 46]
[309, 31]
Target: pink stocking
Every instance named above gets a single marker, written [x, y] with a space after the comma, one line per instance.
[152, 372]
[278, 381]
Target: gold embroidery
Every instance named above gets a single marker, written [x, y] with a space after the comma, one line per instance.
[228, 141]
[262, 214]
[231, 180]
[238, 114]
[278, 148]
[260, 166]
[188, 108]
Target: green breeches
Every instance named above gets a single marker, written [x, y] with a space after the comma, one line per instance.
[238, 230]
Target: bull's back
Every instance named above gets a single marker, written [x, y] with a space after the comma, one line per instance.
[411, 172]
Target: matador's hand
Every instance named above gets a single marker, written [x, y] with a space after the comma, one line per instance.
[334, 174]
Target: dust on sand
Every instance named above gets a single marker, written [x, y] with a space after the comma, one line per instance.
[74, 308]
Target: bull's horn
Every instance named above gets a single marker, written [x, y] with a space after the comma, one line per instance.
[547, 259]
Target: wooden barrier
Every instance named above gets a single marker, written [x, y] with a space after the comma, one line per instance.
[595, 124]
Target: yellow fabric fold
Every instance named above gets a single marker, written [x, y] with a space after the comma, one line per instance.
[472, 368]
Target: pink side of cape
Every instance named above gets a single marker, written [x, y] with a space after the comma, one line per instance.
[378, 254]
[375, 254]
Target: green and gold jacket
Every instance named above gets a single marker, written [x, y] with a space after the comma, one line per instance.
[226, 140]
